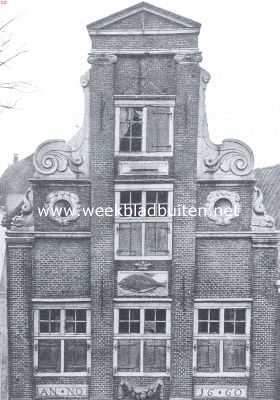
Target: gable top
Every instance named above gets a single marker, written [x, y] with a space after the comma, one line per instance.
[115, 20]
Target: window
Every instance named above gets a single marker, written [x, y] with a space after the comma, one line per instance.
[142, 341]
[62, 341]
[144, 127]
[143, 226]
[221, 339]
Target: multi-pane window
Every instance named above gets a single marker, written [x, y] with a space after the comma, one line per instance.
[142, 341]
[143, 227]
[144, 127]
[61, 341]
[221, 339]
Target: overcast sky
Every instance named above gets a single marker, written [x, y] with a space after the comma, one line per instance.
[240, 44]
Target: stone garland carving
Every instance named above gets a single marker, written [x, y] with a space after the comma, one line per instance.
[55, 156]
[129, 391]
[260, 219]
[22, 216]
[72, 207]
[232, 159]
[220, 216]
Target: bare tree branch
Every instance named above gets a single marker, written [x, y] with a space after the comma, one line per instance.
[8, 54]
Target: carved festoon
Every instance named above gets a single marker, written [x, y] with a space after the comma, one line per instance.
[260, 219]
[130, 391]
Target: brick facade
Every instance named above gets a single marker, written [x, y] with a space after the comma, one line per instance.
[147, 59]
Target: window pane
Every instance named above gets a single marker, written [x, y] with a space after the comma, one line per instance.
[49, 355]
[154, 356]
[44, 314]
[207, 355]
[234, 355]
[149, 315]
[214, 327]
[130, 129]
[229, 314]
[49, 321]
[128, 356]
[161, 315]
[44, 327]
[135, 314]
[81, 327]
[203, 314]
[240, 314]
[229, 327]
[81, 315]
[124, 314]
[130, 239]
[240, 328]
[75, 356]
[214, 314]
[203, 327]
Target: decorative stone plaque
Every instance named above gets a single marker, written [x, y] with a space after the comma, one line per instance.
[220, 391]
[58, 391]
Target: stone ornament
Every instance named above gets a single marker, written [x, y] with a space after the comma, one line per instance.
[218, 206]
[130, 391]
[100, 58]
[22, 217]
[260, 219]
[230, 160]
[143, 283]
[64, 207]
[56, 156]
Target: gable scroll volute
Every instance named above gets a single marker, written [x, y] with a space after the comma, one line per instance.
[230, 160]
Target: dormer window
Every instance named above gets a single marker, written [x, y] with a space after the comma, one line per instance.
[144, 127]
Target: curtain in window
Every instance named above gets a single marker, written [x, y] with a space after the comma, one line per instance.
[234, 355]
[129, 355]
[208, 355]
[156, 239]
[130, 239]
[75, 355]
[49, 355]
[154, 356]
[158, 129]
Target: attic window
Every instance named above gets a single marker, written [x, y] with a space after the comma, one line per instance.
[144, 128]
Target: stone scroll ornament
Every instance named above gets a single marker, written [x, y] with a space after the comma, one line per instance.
[231, 160]
[260, 219]
[232, 156]
[57, 156]
[129, 391]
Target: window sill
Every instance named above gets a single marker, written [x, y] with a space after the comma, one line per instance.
[151, 374]
[50, 374]
[222, 374]
[144, 258]
[145, 154]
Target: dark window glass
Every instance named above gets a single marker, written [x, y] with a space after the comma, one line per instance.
[157, 204]
[49, 355]
[75, 356]
[131, 129]
[129, 321]
[155, 321]
[63, 208]
[75, 321]
[130, 203]
[209, 320]
[49, 321]
[208, 355]
[154, 356]
[128, 355]
[234, 355]
[235, 321]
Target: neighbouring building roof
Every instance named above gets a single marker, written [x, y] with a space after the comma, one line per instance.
[268, 180]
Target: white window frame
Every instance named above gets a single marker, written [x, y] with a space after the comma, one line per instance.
[61, 336]
[142, 336]
[144, 104]
[143, 220]
[221, 336]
